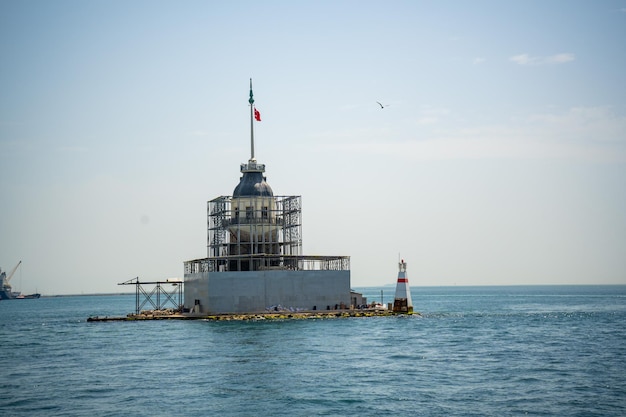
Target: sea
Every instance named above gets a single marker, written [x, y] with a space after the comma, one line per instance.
[473, 351]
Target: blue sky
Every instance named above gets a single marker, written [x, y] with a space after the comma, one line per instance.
[500, 157]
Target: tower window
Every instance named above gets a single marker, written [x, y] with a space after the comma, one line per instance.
[264, 213]
[249, 212]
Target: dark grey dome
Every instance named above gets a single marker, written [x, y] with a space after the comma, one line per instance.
[252, 184]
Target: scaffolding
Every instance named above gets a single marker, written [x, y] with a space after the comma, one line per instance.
[268, 227]
[163, 296]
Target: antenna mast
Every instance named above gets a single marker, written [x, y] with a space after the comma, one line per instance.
[251, 101]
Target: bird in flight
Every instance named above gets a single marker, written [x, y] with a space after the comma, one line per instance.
[381, 104]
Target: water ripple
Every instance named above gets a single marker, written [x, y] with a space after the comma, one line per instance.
[499, 354]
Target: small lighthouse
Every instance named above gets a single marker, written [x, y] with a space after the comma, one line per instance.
[402, 303]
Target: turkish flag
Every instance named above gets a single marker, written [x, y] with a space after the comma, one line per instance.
[257, 115]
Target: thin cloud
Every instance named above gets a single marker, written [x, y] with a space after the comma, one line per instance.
[478, 60]
[431, 115]
[560, 58]
[584, 124]
[581, 134]
[199, 133]
[348, 107]
[525, 59]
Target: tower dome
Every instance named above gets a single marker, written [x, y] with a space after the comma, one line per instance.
[253, 183]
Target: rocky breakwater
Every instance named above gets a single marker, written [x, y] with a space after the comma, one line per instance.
[301, 315]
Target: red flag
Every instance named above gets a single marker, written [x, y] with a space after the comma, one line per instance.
[257, 115]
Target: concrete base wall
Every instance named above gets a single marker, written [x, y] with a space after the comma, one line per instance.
[255, 291]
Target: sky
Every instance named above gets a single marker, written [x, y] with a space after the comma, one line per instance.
[499, 157]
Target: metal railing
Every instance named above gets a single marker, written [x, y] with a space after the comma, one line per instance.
[252, 166]
[262, 262]
[253, 220]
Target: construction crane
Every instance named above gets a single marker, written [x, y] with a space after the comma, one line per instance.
[13, 272]
[6, 292]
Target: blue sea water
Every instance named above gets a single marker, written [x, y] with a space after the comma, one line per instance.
[475, 351]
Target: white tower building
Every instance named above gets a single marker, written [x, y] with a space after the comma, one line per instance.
[402, 302]
[254, 260]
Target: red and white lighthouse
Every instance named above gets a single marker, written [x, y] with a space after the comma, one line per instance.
[402, 302]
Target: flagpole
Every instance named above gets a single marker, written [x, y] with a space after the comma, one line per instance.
[251, 101]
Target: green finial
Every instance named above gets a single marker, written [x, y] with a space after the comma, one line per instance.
[251, 99]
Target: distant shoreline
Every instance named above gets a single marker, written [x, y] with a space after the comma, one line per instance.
[88, 295]
[382, 286]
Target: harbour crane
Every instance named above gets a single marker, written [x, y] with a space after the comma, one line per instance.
[8, 278]
[6, 291]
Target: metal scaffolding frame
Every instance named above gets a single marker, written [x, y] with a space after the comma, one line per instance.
[266, 227]
[173, 296]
